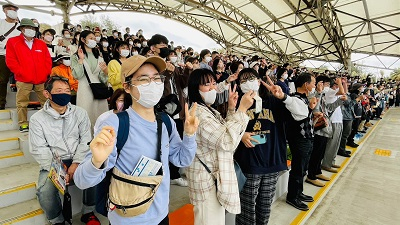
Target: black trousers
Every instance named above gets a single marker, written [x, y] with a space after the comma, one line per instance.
[174, 170]
[317, 154]
[301, 150]
[354, 130]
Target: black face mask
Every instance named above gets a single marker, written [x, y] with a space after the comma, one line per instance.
[164, 52]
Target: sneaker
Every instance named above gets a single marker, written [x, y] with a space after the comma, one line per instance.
[180, 182]
[322, 177]
[335, 166]
[315, 182]
[305, 198]
[297, 204]
[24, 128]
[90, 219]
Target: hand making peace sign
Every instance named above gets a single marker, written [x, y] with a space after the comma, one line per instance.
[276, 90]
[191, 121]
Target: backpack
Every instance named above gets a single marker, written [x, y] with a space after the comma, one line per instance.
[102, 189]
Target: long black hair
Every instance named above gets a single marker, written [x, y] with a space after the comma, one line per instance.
[116, 54]
[199, 77]
[82, 44]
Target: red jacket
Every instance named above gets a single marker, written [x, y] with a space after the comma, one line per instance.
[28, 65]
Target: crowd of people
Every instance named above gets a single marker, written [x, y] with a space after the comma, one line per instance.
[222, 110]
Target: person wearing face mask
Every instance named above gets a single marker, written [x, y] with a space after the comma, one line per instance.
[143, 82]
[113, 38]
[63, 69]
[282, 75]
[119, 101]
[300, 134]
[7, 30]
[30, 61]
[88, 59]
[221, 103]
[65, 41]
[262, 162]
[60, 122]
[105, 49]
[97, 35]
[37, 24]
[217, 140]
[322, 135]
[135, 51]
[127, 33]
[48, 37]
[205, 58]
[120, 55]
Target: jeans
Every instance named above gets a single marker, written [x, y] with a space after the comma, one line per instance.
[345, 134]
[354, 130]
[301, 150]
[317, 154]
[50, 201]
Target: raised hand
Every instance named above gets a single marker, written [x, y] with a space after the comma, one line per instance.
[233, 98]
[246, 139]
[191, 121]
[81, 54]
[232, 77]
[247, 101]
[319, 87]
[102, 145]
[343, 97]
[276, 90]
[170, 67]
[103, 67]
[313, 102]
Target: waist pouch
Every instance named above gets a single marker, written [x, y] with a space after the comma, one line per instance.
[129, 195]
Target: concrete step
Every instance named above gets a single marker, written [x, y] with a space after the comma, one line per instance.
[17, 194]
[12, 158]
[24, 213]
[5, 114]
[9, 144]
[19, 175]
[8, 124]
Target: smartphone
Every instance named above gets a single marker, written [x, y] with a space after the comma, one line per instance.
[261, 138]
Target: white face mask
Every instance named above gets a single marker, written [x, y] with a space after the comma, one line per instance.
[312, 90]
[250, 86]
[115, 34]
[12, 14]
[36, 24]
[67, 36]
[150, 94]
[326, 90]
[208, 59]
[91, 43]
[138, 45]
[124, 53]
[105, 44]
[135, 53]
[209, 96]
[131, 43]
[48, 38]
[104, 33]
[285, 76]
[29, 32]
[173, 59]
[67, 62]
[144, 43]
[98, 39]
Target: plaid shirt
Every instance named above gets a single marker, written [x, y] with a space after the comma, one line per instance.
[217, 140]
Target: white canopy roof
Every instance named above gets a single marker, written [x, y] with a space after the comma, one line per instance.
[283, 30]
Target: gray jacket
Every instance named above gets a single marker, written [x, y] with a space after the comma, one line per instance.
[329, 108]
[64, 135]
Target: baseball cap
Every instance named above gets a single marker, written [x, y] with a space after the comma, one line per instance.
[133, 63]
[253, 64]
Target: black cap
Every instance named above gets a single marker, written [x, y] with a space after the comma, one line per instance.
[52, 31]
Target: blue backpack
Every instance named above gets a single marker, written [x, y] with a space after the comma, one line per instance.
[103, 187]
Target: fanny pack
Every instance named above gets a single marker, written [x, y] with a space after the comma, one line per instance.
[131, 195]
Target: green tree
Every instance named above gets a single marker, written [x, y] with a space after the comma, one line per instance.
[395, 74]
[104, 23]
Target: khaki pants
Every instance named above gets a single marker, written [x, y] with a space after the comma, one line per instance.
[210, 211]
[23, 93]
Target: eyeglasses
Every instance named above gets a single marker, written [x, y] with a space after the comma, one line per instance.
[146, 80]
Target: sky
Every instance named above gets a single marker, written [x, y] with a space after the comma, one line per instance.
[187, 36]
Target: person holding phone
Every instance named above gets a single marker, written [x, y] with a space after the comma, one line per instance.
[262, 152]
